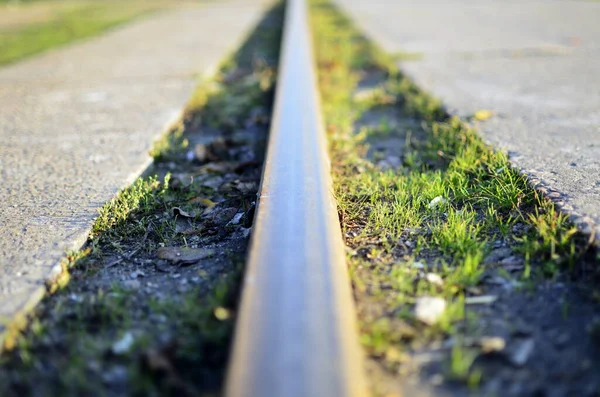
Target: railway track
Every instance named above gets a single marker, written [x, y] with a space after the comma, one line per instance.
[296, 333]
[296, 328]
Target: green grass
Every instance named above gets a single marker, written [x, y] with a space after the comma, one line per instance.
[180, 331]
[444, 207]
[69, 22]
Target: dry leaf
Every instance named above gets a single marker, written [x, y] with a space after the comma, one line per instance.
[483, 114]
[183, 255]
[179, 212]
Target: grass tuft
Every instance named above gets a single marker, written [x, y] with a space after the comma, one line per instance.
[419, 192]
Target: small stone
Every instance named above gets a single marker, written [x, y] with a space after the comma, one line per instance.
[132, 284]
[417, 265]
[428, 309]
[76, 298]
[436, 202]
[390, 163]
[512, 262]
[200, 153]
[236, 219]
[224, 216]
[473, 290]
[124, 344]
[434, 279]
[520, 351]
[497, 255]
[137, 273]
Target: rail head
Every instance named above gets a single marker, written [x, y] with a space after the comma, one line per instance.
[296, 333]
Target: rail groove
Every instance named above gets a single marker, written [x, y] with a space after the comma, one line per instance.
[296, 333]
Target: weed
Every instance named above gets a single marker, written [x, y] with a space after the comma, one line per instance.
[438, 208]
[460, 365]
[123, 320]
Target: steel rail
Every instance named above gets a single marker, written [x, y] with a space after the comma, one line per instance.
[296, 332]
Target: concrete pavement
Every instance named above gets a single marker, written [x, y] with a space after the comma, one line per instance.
[534, 63]
[76, 125]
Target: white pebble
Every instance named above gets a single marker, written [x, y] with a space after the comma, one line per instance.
[429, 309]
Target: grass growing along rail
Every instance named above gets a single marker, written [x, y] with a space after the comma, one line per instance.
[125, 320]
[441, 209]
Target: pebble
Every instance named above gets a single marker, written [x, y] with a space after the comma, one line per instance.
[434, 279]
[520, 351]
[76, 298]
[436, 202]
[491, 344]
[136, 274]
[224, 216]
[417, 265]
[497, 255]
[132, 284]
[124, 344]
[390, 163]
[236, 219]
[512, 263]
[428, 309]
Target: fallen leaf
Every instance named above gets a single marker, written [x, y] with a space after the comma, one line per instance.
[217, 167]
[490, 344]
[480, 300]
[207, 202]
[179, 212]
[483, 114]
[222, 313]
[183, 255]
[193, 232]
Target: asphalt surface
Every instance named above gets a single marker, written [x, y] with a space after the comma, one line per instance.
[535, 64]
[76, 125]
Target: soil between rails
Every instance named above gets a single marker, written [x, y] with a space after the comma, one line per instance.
[467, 281]
[148, 307]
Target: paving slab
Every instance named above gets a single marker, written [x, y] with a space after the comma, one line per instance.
[535, 64]
[76, 125]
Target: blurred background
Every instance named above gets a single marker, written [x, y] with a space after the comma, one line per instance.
[31, 26]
